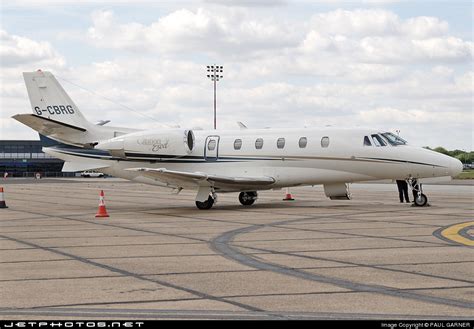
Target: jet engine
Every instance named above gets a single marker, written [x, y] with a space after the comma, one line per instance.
[172, 142]
[338, 191]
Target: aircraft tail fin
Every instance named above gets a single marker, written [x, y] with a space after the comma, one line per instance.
[49, 100]
[57, 117]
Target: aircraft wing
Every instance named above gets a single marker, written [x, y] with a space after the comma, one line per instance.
[182, 178]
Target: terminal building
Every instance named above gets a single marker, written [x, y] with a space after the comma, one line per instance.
[24, 158]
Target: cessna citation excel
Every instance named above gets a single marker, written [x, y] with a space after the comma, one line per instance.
[221, 161]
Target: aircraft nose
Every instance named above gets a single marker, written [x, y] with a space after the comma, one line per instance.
[455, 167]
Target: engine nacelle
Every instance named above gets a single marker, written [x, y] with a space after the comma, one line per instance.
[170, 142]
[338, 191]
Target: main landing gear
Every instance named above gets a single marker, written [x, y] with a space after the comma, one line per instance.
[245, 198]
[208, 203]
[248, 198]
[420, 199]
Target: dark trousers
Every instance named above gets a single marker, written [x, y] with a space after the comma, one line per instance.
[402, 190]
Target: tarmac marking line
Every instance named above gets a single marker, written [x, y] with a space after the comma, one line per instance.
[457, 233]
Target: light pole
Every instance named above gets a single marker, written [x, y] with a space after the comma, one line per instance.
[214, 73]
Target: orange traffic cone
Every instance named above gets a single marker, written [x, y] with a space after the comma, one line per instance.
[288, 196]
[2, 199]
[102, 212]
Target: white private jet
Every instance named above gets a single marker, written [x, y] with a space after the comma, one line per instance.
[221, 161]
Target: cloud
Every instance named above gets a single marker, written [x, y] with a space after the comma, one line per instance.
[19, 54]
[248, 3]
[363, 35]
[380, 36]
[16, 50]
[341, 67]
[198, 31]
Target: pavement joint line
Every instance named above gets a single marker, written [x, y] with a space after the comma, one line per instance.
[241, 245]
[229, 271]
[200, 314]
[125, 302]
[145, 275]
[180, 236]
[367, 236]
[353, 264]
[222, 245]
[93, 222]
[265, 211]
[137, 276]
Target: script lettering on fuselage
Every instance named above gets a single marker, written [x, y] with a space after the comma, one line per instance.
[54, 110]
[156, 143]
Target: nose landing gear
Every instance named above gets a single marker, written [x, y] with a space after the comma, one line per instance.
[420, 199]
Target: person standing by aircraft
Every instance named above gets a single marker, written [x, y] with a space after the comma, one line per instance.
[403, 190]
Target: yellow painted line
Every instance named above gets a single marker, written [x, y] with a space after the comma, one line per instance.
[452, 233]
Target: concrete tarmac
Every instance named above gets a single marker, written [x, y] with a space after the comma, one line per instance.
[159, 257]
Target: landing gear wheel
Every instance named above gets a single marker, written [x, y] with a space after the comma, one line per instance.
[206, 204]
[247, 198]
[421, 200]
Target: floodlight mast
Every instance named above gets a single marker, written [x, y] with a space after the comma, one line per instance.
[214, 73]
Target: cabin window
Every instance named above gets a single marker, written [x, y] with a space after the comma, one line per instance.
[367, 141]
[303, 142]
[237, 144]
[325, 141]
[211, 146]
[281, 143]
[378, 141]
[259, 143]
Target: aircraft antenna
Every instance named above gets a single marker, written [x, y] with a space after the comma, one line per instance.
[110, 100]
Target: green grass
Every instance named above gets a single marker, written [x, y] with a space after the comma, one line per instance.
[466, 174]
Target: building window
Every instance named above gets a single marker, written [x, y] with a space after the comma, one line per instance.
[281, 143]
[259, 143]
[303, 142]
[325, 141]
[237, 144]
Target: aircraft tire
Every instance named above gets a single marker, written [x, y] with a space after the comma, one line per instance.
[247, 198]
[206, 204]
[421, 200]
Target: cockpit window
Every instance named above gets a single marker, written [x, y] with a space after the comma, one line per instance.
[378, 141]
[367, 141]
[394, 140]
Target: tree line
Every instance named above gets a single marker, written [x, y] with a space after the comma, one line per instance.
[463, 156]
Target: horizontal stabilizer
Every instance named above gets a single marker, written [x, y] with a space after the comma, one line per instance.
[42, 124]
[54, 129]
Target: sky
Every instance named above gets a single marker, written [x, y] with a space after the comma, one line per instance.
[390, 65]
